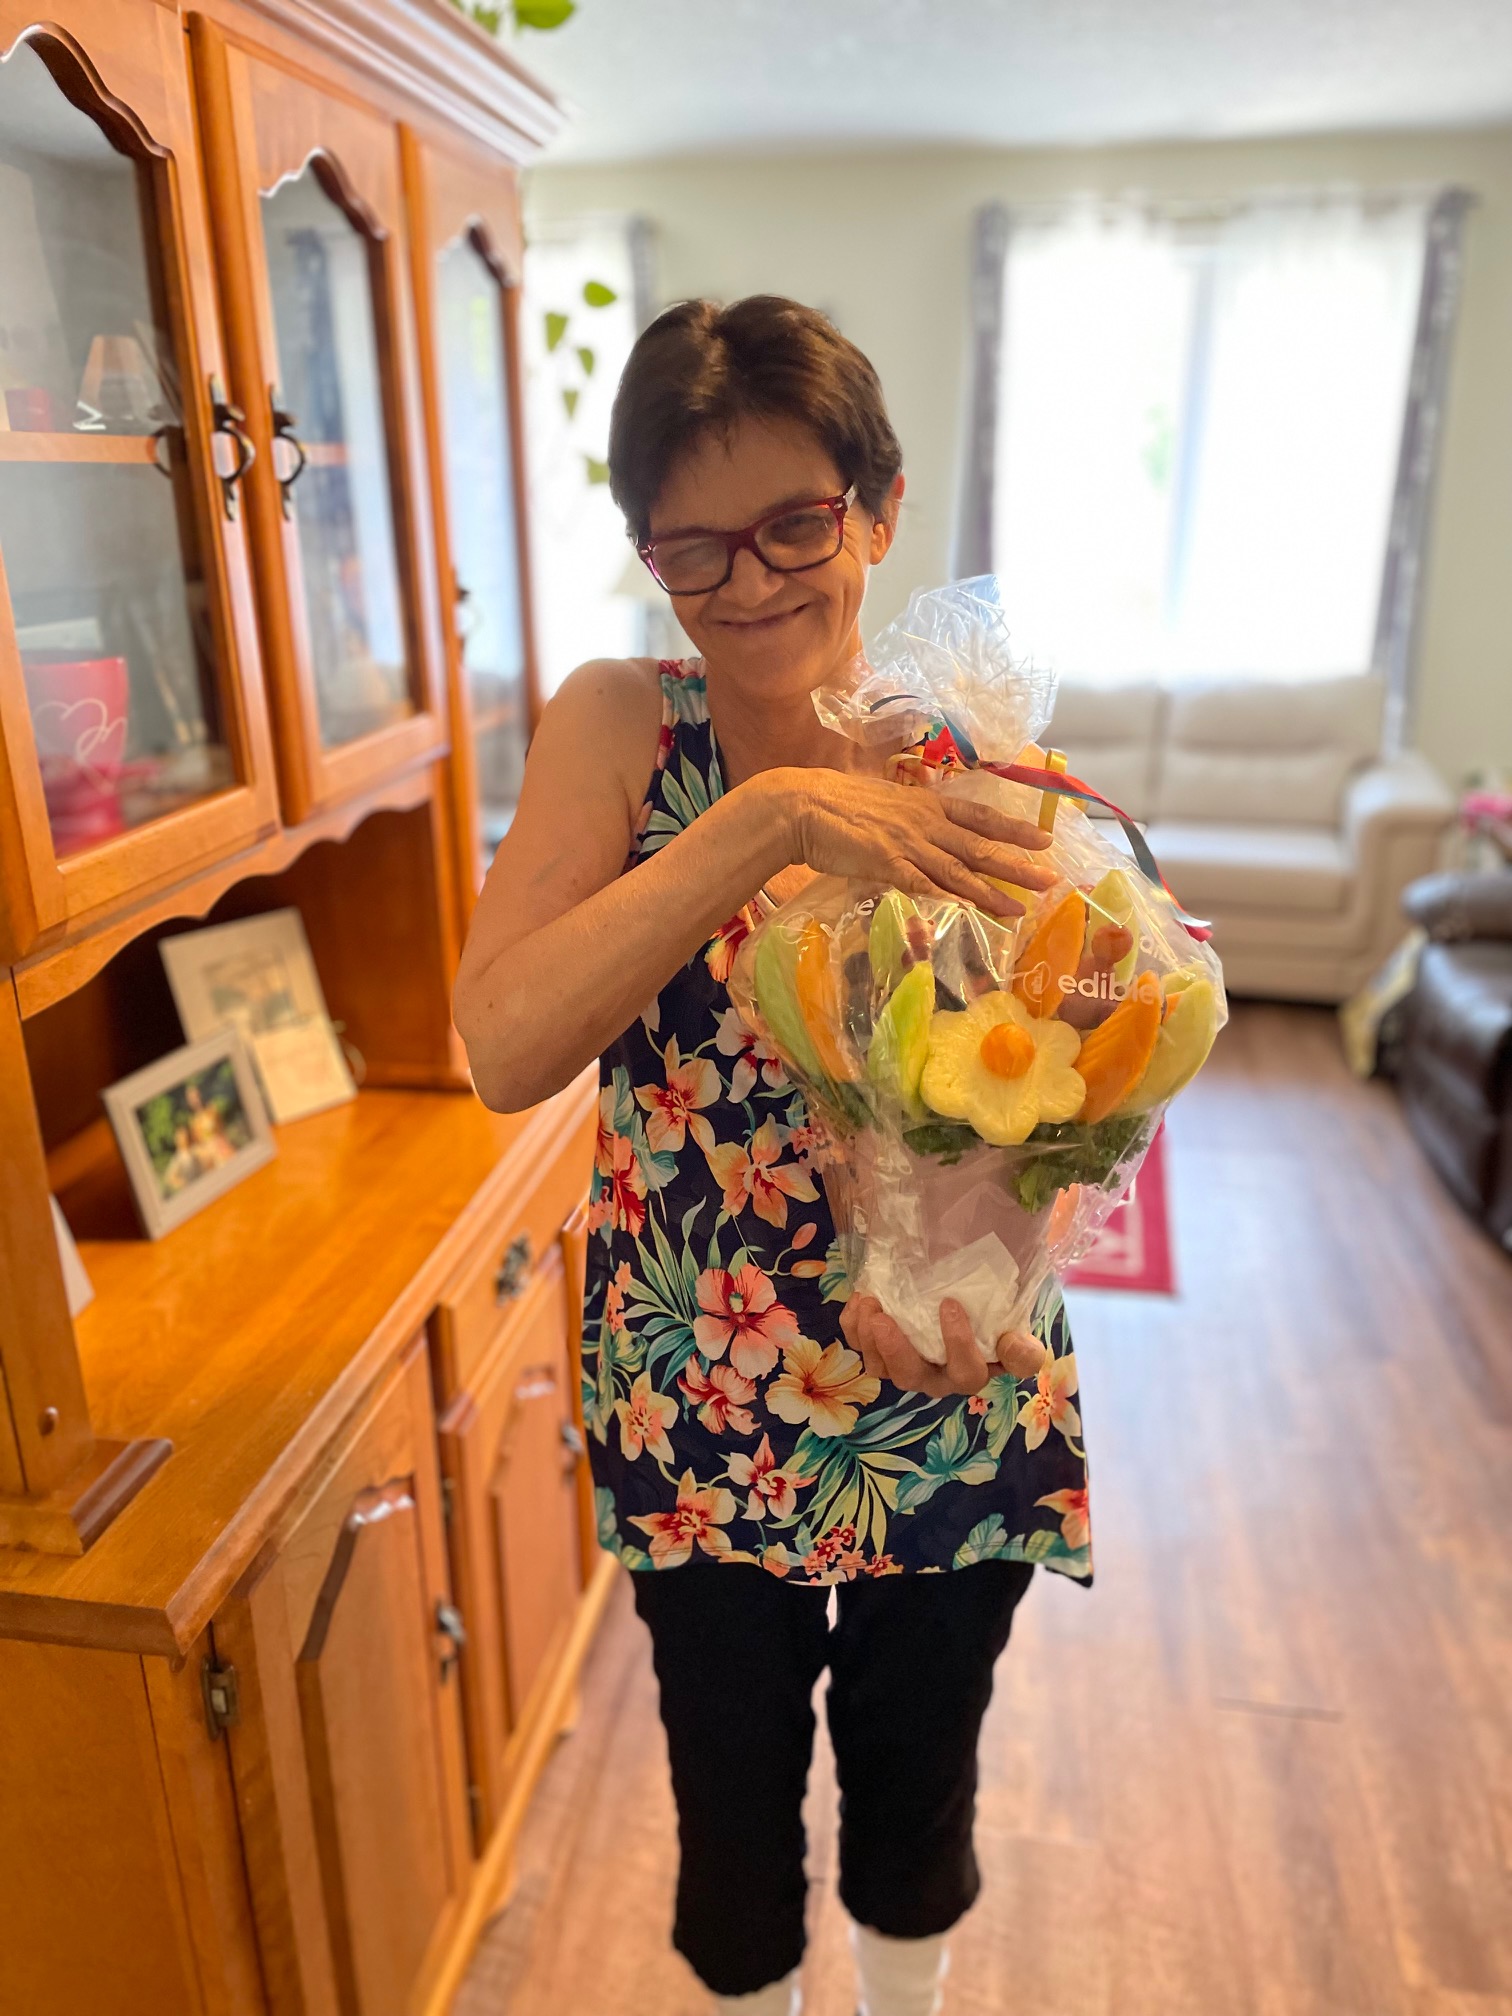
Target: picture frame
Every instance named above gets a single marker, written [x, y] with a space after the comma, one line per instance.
[190, 1126]
[256, 975]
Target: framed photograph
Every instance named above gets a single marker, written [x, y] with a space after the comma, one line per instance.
[257, 976]
[191, 1126]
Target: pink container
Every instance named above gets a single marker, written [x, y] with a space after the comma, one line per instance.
[79, 710]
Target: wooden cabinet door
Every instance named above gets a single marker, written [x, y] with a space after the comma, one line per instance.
[310, 235]
[466, 258]
[134, 738]
[510, 1452]
[348, 1752]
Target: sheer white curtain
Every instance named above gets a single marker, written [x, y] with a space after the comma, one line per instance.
[1198, 425]
[578, 545]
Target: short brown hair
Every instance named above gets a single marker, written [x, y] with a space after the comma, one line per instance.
[701, 366]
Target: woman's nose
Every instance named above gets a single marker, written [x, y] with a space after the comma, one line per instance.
[751, 581]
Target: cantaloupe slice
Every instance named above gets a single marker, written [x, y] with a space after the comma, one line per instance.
[1051, 952]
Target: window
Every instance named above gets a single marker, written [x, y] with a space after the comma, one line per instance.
[580, 319]
[1198, 429]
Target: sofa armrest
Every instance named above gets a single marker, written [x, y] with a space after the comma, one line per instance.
[1450, 907]
[1402, 792]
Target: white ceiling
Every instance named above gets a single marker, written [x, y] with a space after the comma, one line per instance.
[657, 77]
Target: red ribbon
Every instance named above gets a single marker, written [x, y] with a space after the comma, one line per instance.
[1064, 785]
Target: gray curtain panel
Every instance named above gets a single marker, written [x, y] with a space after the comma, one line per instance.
[1397, 617]
[972, 549]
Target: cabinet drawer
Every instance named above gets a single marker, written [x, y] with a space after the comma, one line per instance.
[482, 1295]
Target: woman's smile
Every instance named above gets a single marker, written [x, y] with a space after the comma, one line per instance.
[761, 623]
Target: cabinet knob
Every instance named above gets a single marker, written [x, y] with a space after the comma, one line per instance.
[513, 1269]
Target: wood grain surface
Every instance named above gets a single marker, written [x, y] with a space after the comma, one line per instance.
[1262, 1768]
[250, 1334]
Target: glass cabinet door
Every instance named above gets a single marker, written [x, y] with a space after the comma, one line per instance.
[108, 567]
[332, 456]
[478, 459]
[310, 204]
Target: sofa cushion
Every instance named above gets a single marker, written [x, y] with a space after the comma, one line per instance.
[1108, 730]
[1214, 867]
[1268, 751]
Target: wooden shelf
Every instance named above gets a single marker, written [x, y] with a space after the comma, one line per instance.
[250, 1334]
[123, 450]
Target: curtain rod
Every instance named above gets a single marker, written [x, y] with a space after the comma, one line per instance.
[1198, 210]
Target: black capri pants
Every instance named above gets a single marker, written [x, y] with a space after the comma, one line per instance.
[737, 1654]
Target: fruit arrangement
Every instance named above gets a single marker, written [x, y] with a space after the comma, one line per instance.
[989, 1087]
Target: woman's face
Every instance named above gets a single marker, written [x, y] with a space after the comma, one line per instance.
[780, 634]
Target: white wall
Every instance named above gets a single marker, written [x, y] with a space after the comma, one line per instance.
[882, 241]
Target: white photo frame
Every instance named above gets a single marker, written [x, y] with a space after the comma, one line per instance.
[190, 1127]
[256, 975]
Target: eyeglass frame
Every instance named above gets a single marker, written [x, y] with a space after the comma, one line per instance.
[745, 540]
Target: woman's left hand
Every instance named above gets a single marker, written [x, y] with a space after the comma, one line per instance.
[888, 1354]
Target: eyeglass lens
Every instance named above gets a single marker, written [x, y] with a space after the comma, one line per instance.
[798, 539]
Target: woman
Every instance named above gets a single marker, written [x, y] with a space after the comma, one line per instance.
[743, 1417]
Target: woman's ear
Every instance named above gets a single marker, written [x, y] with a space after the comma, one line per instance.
[885, 528]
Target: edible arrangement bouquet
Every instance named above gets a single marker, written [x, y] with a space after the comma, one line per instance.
[989, 1088]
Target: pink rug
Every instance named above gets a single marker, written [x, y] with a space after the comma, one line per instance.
[1133, 1250]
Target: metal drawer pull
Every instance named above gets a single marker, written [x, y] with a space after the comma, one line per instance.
[513, 1268]
[453, 1630]
[230, 420]
[284, 424]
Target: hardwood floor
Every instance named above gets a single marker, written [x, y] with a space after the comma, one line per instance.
[1264, 1768]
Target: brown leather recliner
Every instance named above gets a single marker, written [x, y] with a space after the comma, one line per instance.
[1456, 1071]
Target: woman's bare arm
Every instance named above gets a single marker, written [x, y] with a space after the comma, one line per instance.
[565, 951]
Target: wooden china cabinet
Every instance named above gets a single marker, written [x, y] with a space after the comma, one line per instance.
[297, 1561]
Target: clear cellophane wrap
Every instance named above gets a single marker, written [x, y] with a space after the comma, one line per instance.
[989, 1088]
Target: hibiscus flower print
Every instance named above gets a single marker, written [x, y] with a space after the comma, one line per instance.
[741, 1314]
[771, 1488]
[751, 1053]
[614, 1296]
[603, 1139]
[823, 1389]
[696, 1519]
[1072, 1507]
[622, 1203]
[726, 942]
[1049, 1405]
[644, 1420]
[672, 1108]
[722, 1396]
[758, 1176]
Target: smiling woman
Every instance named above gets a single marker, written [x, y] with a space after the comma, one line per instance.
[742, 1415]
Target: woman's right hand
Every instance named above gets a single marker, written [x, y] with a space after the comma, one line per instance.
[909, 837]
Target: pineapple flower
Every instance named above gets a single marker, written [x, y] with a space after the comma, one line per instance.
[1001, 1069]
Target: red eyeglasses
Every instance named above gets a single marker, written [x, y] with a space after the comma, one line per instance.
[789, 539]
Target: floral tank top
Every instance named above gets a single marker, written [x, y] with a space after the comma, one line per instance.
[728, 1419]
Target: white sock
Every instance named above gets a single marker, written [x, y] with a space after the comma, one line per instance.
[900, 1977]
[782, 1998]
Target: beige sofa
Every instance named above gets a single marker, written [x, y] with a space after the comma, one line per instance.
[1270, 811]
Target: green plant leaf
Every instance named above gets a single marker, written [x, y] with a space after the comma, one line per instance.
[556, 328]
[570, 399]
[597, 295]
[587, 359]
[598, 472]
[490, 18]
[543, 14]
